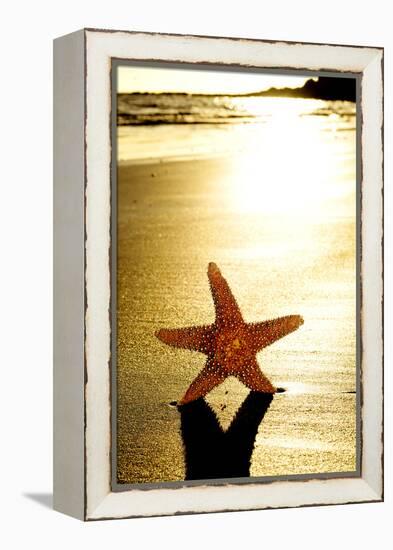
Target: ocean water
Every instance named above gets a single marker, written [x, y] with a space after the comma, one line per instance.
[152, 126]
[269, 194]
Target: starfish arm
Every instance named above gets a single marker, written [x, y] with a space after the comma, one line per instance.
[192, 338]
[264, 334]
[227, 309]
[209, 377]
[252, 377]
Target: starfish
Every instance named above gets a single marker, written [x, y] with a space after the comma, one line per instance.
[230, 343]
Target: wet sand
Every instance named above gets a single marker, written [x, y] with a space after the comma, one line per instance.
[174, 217]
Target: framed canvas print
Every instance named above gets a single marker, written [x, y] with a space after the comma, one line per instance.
[218, 272]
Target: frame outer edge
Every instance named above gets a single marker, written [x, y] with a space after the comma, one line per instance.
[370, 484]
[68, 275]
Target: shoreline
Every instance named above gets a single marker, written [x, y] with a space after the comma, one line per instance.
[220, 157]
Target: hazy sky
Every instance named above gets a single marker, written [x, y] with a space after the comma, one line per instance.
[146, 79]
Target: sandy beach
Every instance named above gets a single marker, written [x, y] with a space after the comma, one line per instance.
[280, 257]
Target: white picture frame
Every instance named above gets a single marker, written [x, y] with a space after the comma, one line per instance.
[82, 273]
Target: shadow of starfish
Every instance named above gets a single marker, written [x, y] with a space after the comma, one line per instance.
[212, 453]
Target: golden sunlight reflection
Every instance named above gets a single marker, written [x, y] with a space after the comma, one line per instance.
[288, 166]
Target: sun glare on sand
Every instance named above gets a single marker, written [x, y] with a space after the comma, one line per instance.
[287, 167]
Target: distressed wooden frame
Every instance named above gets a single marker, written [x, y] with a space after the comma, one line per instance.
[82, 280]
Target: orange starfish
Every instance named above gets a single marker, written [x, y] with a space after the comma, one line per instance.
[230, 343]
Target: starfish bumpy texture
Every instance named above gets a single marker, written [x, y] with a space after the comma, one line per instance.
[230, 343]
